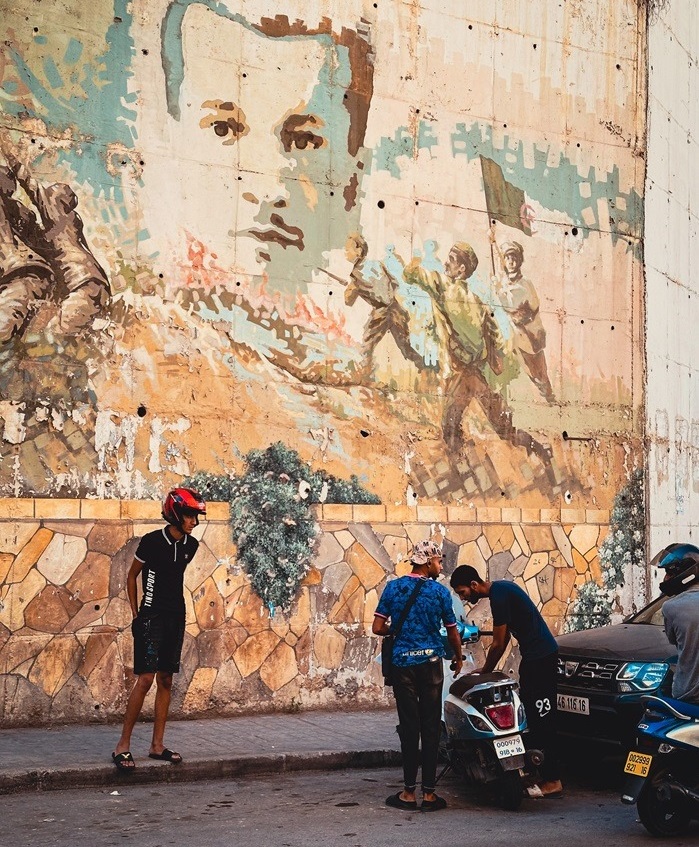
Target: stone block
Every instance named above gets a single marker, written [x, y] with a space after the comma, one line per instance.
[400, 514]
[218, 512]
[500, 537]
[511, 515]
[51, 609]
[539, 538]
[537, 562]
[61, 558]
[302, 651]
[396, 546]
[344, 537]
[14, 535]
[530, 516]
[56, 508]
[279, 668]
[15, 598]
[252, 653]
[488, 514]
[470, 554]
[55, 664]
[100, 510]
[16, 507]
[431, 514]
[369, 572]
[91, 578]
[341, 512]
[250, 613]
[29, 555]
[300, 616]
[328, 647]
[460, 514]
[484, 547]
[18, 649]
[563, 543]
[208, 605]
[580, 562]
[22, 703]
[108, 538]
[141, 510]
[518, 566]
[107, 682]
[598, 516]
[368, 513]
[335, 577]
[499, 565]
[584, 537]
[521, 540]
[225, 686]
[545, 580]
[199, 690]
[329, 550]
[532, 589]
[350, 604]
[564, 583]
[463, 533]
[371, 542]
[550, 516]
[6, 560]
[93, 652]
[218, 538]
[202, 566]
[572, 516]
[312, 577]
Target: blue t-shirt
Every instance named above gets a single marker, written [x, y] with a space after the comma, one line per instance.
[513, 607]
[419, 639]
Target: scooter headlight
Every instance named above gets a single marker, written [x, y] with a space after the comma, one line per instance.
[641, 676]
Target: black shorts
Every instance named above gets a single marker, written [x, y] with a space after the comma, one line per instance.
[157, 643]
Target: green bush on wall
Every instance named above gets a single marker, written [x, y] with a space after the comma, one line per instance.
[271, 519]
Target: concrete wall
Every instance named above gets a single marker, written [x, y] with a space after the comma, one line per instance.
[227, 225]
[672, 260]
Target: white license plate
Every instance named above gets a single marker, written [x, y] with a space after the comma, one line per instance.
[506, 747]
[576, 705]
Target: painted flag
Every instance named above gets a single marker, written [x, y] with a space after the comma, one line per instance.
[505, 202]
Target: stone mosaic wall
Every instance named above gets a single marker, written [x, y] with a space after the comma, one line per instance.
[65, 643]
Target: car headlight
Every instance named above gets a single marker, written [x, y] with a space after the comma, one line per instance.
[641, 676]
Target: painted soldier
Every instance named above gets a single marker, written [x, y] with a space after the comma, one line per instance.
[521, 303]
[25, 275]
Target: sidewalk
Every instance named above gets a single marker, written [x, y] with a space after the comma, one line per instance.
[72, 756]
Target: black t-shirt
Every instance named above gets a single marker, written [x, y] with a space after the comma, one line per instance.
[513, 607]
[164, 562]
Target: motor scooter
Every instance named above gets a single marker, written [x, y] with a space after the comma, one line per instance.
[483, 724]
[662, 770]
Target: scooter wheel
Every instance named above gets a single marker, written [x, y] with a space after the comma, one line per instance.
[662, 815]
[510, 791]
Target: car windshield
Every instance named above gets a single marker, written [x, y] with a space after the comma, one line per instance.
[651, 614]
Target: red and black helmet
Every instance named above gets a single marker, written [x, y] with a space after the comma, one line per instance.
[181, 502]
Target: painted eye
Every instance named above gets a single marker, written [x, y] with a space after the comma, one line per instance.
[227, 121]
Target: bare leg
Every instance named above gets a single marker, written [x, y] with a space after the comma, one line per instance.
[133, 710]
[162, 707]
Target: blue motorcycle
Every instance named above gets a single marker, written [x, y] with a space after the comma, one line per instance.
[662, 771]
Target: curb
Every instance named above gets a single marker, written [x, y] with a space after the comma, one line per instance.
[13, 782]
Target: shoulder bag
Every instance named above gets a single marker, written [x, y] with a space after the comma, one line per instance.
[390, 639]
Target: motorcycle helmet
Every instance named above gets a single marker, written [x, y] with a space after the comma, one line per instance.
[181, 502]
[681, 565]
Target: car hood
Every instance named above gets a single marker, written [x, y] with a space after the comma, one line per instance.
[631, 642]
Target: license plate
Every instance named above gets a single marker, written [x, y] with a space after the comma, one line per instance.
[506, 747]
[638, 764]
[576, 705]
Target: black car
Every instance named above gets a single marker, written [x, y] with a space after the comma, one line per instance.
[604, 672]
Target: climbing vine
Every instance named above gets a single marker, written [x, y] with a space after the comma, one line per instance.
[271, 518]
[622, 550]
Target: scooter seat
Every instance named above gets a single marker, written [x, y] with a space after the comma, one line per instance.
[465, 683]
[682, 707]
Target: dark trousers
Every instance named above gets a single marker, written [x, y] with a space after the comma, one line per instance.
[418, 693]
[538, 685]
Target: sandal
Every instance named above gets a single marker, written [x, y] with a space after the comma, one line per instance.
[124, 762]
[167, 756]
[434, 805]
[396, 802]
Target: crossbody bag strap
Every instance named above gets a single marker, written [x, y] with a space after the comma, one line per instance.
[404, 614]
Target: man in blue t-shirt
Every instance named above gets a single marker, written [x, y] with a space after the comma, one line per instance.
[418, 673]
[514, 614]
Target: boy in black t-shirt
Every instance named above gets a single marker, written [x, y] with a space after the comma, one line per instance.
[158, 624]
[515, 614]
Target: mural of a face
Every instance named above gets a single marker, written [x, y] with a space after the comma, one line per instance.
[265, 121]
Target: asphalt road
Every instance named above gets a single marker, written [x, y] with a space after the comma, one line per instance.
[340, 808]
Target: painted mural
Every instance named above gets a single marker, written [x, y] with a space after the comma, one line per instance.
[404, 243]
